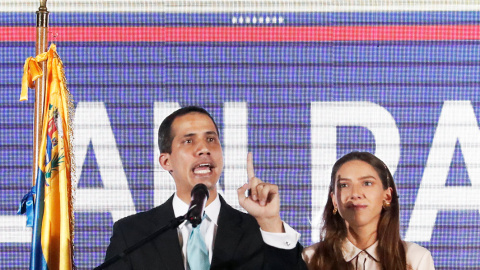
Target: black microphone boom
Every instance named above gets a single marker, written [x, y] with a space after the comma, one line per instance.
[199, 200]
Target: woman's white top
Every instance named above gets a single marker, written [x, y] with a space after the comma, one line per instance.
[418, 258]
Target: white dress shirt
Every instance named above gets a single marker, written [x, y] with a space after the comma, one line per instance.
[209, 226]
[418, 258]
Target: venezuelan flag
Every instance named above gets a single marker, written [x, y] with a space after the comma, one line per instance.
[52, 214]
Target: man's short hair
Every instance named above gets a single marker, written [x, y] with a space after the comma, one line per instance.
[165, 136]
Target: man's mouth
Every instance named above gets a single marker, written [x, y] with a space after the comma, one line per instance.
[203, 168]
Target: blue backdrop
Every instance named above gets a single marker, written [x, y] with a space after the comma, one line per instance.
[414, 101]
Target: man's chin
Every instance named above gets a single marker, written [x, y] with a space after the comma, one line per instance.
[210, 182]
[212, 188]
[210, 185]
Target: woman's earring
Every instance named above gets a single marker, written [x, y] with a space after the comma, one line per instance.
[385, 205]
[335, 210]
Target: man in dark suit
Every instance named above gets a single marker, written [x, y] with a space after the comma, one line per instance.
[191, 152]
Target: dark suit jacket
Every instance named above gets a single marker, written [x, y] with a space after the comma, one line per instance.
[238, 243]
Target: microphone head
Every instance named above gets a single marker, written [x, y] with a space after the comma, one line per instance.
[200, 188]
[199, 199]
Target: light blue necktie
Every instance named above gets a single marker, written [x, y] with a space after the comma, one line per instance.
[197, 252]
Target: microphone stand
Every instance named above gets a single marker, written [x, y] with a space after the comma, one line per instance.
[174, 223]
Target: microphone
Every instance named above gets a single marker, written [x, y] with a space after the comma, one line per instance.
[199, 200]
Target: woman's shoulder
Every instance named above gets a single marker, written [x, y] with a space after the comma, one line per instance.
[412, 248]
[308, 252]
[418, 257]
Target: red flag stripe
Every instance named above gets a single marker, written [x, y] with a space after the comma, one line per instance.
[232, 34]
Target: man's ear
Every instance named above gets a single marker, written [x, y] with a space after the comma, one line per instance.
[165, 161]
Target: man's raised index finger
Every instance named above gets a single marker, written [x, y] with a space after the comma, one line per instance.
[250, 170]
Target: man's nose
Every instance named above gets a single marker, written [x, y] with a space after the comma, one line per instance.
[202, 148]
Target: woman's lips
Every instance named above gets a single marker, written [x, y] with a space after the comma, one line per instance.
[356, 206]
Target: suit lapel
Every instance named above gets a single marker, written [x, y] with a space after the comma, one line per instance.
[167, 244]
[228, 235]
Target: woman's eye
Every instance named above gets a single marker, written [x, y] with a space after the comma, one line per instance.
[368, 183]
[210, 139]
[343, 185]
[188, 141]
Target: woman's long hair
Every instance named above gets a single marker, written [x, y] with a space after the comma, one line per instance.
[328, 254]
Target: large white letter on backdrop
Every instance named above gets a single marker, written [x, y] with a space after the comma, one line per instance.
[457, 123]
[235, 141]
[93, 126]
[325, 118]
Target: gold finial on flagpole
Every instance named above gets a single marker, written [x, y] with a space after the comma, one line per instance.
[42, 14]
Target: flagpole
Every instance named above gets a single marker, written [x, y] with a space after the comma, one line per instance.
[41, 44]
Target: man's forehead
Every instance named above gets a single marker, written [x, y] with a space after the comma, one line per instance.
[192, 124]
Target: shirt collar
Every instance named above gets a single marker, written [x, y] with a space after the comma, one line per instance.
[350, 251]
[180, 208]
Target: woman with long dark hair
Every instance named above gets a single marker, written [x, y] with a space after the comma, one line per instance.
[361, 228]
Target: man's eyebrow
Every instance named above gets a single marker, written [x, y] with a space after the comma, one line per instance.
[211, 133]
[194, 134]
